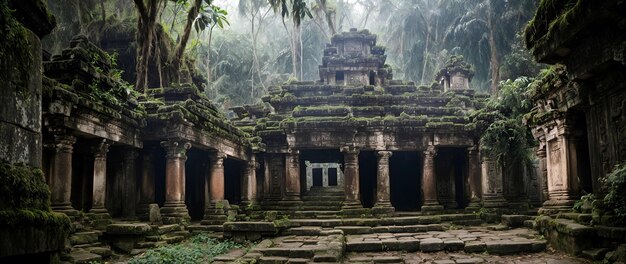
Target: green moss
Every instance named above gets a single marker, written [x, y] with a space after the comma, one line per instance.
[34, 217]
[14, 50]
[23, 187]
[552, 17]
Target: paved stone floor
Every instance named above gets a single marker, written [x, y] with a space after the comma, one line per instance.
[482, 244]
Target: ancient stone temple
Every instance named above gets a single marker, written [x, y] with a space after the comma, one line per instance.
[579, 119]
[400, 146]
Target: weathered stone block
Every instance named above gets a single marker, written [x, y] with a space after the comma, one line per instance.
[364, 246]
[431, 244]
[128, 229]
[453, 245]
[475, 247]
[503, 247]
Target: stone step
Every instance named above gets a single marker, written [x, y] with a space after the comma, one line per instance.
[322, 203]
[151, 244]
[273, 260]
[205, 228]
[83, 256]
[431, 244]
[173, 239]
[515, 220]
[96, 244]
[164, 229]
[88, 237]
[289, 252]
[104, 251]
[320, 208]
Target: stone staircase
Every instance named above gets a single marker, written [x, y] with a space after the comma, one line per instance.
[85, 243]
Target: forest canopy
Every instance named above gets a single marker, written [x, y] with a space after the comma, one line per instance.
[234, 49]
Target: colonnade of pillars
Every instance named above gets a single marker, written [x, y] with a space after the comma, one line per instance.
[382, 201]
[174, 209]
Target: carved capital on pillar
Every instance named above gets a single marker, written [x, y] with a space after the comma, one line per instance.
[351, 155]
[175, 148]
[62, 143]
[430, 152]
[100, 147]
[541, 152]
[217, 158]
[384, 155]
[293, 155]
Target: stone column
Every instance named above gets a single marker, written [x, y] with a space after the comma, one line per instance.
[352, 203]
[309, 175]
[129, 183]
[563, 169]
[174, 210]
[292, 181]
[61, 174]
[429, 181]
[492, 183]
[147, 192]
[542, 172]
[473, 162]
[248, 194]
[383, 203]
[215, 207]
[99, 215]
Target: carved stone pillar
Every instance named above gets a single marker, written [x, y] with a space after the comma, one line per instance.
[351, 179]
[249, 190]
[99, 150]
[174, 210]
[473, 163]
[292, 181]
[61, 173]
[129, 182]
[563, 168]
[215, 207]
[147, 191]
[493, 196]
[429, 181]
[542, 172]
[383, 203]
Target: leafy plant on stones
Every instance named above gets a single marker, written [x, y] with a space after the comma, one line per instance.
[578, 205]
[615, 199]
[198, 249]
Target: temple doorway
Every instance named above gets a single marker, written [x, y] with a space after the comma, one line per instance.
[405, 177]
[451, 173]
[232, 180]
[196, 171]
[368, 167]
[320, 168]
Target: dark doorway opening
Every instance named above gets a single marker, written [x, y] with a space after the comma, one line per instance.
[158, 163]
[368, 166]
[405, 178]
[582, 155]
[339, 77]
[451, 173]
[332, 177]
[82, 176]
[232, 180]
[196, 170]
[317, 177]
[372, 78]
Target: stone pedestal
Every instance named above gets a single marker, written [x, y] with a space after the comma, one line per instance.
[473, 163]
[215, 207]
[147, 191]
[98, 214]
[492, 184]
[174, 210]
[292, 181]
[352, 203]
[429, 181]
[383, 203]
[61, 173]
[562, 167]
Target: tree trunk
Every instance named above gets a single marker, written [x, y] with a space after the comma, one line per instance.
[494, 63]
[146, 21]
[177, 58]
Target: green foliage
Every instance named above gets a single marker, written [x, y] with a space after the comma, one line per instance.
[14, 50]
[506, 138]
[589, 198]
[615, 199]
[198, 249]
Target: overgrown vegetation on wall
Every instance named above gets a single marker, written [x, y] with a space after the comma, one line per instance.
[615, 199]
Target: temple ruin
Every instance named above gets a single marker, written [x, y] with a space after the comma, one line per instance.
[327, 162]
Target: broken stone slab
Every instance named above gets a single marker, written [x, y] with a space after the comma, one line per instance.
[273, 260]
[353, 230]
[83, 256]
[431, 244]
[128, 229]
[267, 227]
[470, 261]
[84, 238]
[503, 247]
[387, 259]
